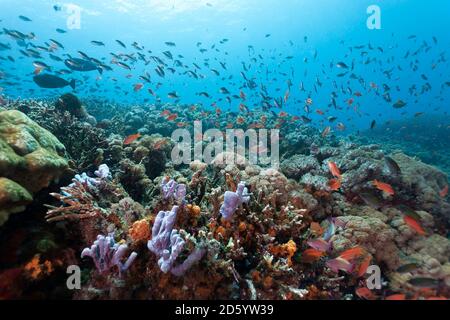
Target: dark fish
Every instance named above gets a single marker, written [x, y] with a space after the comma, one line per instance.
[373, 125]
[399, 104]
[23, 18]
[160, 71]
[52, 82]
[371, 200]
[173, 95]
[84, 55]
[61, 31]
[41, 65]
[205, 94]
[306, 119]
[408, 268]
[4, 46]
[123, 65]
[170, 44]
[332, 119]
[168, 54]
[98, 43]
[392, 166]
[121, 44]
[424, 282]
[82, 65]
[55, 43]
[224, 90]
[341, 65]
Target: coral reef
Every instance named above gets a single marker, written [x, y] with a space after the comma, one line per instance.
[70, 103]
[232, 230]
[31, 158]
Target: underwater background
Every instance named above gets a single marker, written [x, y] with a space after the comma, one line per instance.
[91, 92]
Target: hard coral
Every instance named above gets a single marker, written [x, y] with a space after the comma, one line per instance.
[31, 158]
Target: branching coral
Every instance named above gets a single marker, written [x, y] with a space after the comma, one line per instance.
[78, 198]
[79, 204]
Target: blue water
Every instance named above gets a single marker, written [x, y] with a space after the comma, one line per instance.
[331, 27]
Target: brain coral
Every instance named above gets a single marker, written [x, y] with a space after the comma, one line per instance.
[30, 159]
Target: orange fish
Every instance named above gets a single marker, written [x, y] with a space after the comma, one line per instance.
[365, 293]
[130, 139]
[138, 86]
[240, 120]
[352, 253]
[384, 187]
[312, 255]
[396, 297]
[218, 111]
[316, 229]
[373, 85]
[286, 96]
[364, 265]
[334, 169]
[243, 107]
[242, 95]
[181, 124]
[165, 113]
[282, 114]
[358, 94]
[444, 192]
[413, 224]
[350, 101]
[326, 132]
[158, 145]
[172, 117]
[38, 70]
[334, 184]
[309, 101]
[320, 112]
[256, 126]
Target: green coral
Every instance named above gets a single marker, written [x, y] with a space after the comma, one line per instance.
[13, 198]
[30, 159]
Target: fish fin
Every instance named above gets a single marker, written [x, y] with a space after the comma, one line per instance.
[72, 83]
[100, 70]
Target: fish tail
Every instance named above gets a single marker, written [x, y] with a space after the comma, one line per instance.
[72, 84]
